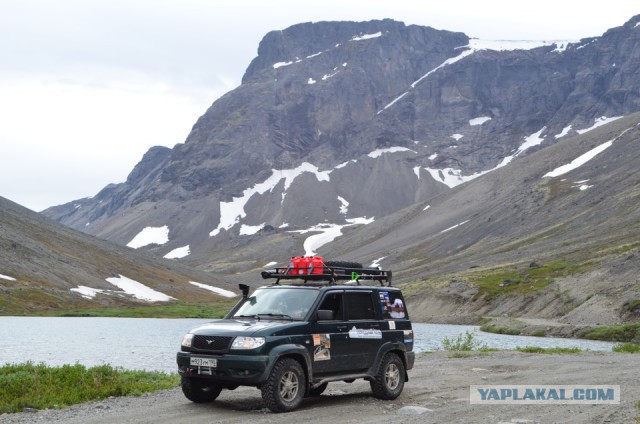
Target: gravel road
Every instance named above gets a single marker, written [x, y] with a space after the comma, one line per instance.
[438, 392]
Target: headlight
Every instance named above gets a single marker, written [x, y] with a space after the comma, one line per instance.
[187, 339]
[247, 342]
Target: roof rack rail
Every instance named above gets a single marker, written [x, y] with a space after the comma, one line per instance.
[330, 275]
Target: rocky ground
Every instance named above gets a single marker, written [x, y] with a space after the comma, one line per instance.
[603, 296]
[438, 392]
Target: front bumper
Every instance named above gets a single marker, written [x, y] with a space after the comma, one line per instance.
[243, 370]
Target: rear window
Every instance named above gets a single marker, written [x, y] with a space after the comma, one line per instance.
[392, 305]
[360, 306]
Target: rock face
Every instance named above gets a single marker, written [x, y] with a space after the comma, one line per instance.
[339, 121]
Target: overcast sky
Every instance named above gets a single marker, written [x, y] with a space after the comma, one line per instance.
[87, 87]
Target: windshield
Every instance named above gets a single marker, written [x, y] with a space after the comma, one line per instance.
[278, 303]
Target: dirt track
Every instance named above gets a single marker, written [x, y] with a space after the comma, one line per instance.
[439, 386]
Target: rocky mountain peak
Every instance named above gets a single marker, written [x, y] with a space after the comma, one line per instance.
[337, 124]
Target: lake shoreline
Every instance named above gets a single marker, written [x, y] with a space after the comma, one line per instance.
[438, 390]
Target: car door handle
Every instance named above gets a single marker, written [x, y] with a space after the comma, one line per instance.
[342, 327]
[376, 326]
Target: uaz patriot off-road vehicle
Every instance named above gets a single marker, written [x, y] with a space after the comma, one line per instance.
[291, 339]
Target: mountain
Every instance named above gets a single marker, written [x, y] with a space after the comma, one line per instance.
[47, 266]
[552, 236]
[338, 126]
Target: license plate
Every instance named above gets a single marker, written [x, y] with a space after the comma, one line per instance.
[204, 362]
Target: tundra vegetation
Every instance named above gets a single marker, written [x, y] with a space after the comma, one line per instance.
[38, 386]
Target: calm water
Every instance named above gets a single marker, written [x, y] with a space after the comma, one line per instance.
[141, 343]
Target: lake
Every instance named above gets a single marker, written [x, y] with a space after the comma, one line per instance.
[151, 344]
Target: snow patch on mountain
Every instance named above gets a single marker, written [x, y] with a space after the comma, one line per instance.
[379, 152]
[476, 45]
[452, 177]
[392, 102]
[454, 227]
[231, 212]
[6, 277]
[564, 132]
[366, 36]
[581, 185]
[150, 235]
[598, 123]
[138, 290]
[249, 230]
[376, 263]
[531, 141]
[216, 290]
[87, 292]
[327, 233]
[344, 205]
[579, 161]
[478, 121]
[281, 64]
[178, 253]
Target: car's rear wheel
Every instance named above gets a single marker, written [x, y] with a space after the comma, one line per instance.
[200, 391]
[389, 380]
[284, 389]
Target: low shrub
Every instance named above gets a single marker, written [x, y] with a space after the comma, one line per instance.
[40, 387]
[464, 342]
[626, 348]
[500, 330]
[626, 333]
[549, 350]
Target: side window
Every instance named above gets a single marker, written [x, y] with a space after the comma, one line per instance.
[392, 305]
[360, 306]
[333, 302]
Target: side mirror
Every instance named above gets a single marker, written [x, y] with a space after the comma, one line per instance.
[244, 289]
[325, 315]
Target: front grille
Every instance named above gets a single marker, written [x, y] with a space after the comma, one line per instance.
[211, 343]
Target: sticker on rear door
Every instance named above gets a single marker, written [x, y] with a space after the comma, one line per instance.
[361, 333]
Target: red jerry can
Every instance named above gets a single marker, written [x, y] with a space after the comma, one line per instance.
[317, 265]
[295, 269]
[292, 265]
[304, 265]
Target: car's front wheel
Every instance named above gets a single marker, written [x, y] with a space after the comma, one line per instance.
[284, 389]
[200, 391]
[389, 380]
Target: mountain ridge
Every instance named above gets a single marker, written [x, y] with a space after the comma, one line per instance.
[386, 85]
[349, 131]
[45, 266]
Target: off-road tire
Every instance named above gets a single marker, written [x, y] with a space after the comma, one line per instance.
[389, 380]
[317, 391]
[343, 264]
[284, 389]
[200, 391]
[337, 265]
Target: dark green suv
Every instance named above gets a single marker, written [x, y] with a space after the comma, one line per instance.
[291, 339]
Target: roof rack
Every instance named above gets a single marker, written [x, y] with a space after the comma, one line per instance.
[330, 275]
